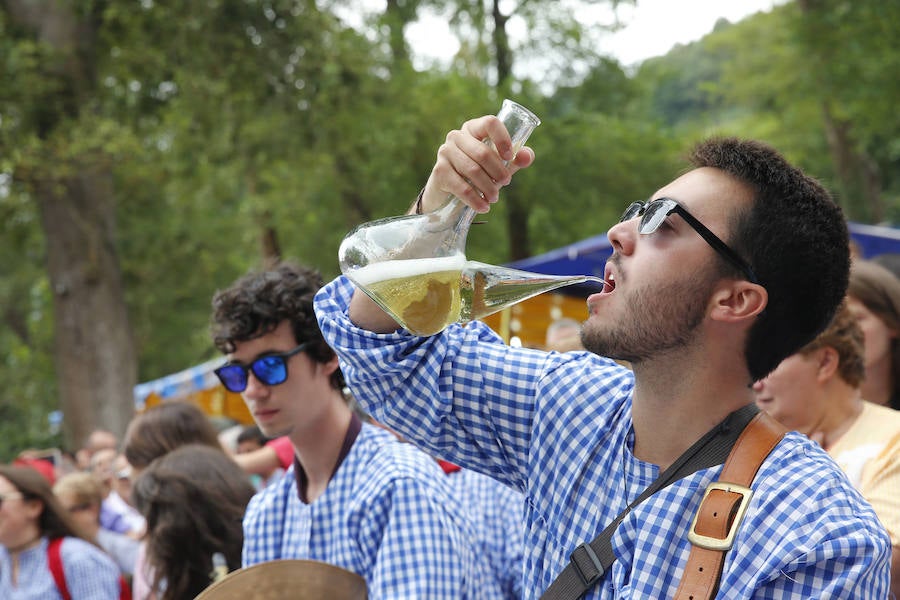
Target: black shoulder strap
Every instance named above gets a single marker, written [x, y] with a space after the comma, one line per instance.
[589, 561]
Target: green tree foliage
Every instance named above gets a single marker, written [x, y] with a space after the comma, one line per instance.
[231, 133]
[815, 78]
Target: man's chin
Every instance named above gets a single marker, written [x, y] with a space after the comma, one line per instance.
[275, 432]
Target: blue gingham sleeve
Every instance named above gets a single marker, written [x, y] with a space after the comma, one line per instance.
[472, 404]
[412, 546]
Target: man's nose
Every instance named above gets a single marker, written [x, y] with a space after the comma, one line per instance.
[255, 387]
[622, 236]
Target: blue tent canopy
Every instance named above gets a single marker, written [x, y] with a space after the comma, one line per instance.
[588, 256]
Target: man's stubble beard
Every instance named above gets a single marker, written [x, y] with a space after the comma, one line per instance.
[655, 322]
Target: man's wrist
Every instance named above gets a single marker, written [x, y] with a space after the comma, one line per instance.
[418, 204]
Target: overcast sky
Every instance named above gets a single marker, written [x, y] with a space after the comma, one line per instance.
[652, 27]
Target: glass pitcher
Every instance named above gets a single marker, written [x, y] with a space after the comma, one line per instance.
[415, 266]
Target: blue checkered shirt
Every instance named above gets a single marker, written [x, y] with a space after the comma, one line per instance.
[558, 427]
[89, 573]
[498, 511]
[388, 514]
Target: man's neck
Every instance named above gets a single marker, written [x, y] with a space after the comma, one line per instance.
[674, 407]
[318, 447]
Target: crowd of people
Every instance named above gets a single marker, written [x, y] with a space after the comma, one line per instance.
[457, 466]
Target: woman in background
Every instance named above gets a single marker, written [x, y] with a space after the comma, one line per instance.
[82, 496]
[155, 433]
[194, 500]
[30, 519]
[874, 298]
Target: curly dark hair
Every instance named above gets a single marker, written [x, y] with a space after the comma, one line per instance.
[194, 499]
[796, 240]
[258, 302]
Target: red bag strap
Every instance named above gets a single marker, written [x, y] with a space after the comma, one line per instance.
[124, 589]
[54, 560]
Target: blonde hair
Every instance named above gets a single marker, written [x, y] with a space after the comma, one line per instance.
[83, 487]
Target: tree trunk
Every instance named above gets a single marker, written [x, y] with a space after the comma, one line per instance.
[517, 210]
[94, 350]
[94, 355]
[859, 178]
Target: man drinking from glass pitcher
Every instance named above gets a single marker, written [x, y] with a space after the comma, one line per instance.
[713, 280]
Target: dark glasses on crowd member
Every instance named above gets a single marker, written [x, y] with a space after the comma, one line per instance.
[270, 369]
[9, 496]
[654, 212]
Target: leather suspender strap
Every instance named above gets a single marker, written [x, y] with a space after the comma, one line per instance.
[722, 509]
[589, 561]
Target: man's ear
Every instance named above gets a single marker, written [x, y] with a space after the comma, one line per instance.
[738, 300]
[828, 363]
[330, 366]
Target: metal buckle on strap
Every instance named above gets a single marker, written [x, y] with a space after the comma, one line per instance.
[587, 581]
[714, 543]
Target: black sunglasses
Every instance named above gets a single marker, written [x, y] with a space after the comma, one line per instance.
[10, 496]
[270, 369]
[654, 212]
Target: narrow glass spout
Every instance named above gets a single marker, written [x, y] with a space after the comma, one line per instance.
[426, 295]
[487, 289]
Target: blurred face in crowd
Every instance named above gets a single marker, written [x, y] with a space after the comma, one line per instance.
[122, 477]
[85, 515]
[18, 516]
[102, 467]
[878, 335]
[791, 393]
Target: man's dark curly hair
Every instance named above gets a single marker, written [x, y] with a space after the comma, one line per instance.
[796, 240]
[257, 303]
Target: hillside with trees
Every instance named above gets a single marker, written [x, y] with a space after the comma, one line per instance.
[150, 153]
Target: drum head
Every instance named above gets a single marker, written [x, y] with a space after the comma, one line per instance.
[294, 579]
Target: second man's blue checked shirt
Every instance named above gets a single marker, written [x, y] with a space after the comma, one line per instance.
[558, 427]
[388, 514]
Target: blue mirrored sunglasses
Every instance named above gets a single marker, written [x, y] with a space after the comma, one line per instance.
[654, 212]
[270, 369]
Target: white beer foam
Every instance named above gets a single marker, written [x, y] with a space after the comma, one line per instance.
[395, 269]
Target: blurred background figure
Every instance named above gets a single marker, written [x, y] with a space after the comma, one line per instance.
[164, 428]
[115, 514]
[81, 495]
[817, 391]
[890, 261]
[151, 435]
[267, 464]
[563, 335]
[120, 495]
[193, 499]
[874, 298]
[250, 438]
[41, 465]
[99, 439]
[32, 524]
[261, 460]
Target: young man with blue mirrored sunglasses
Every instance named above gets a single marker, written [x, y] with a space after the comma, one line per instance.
[356, 496]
